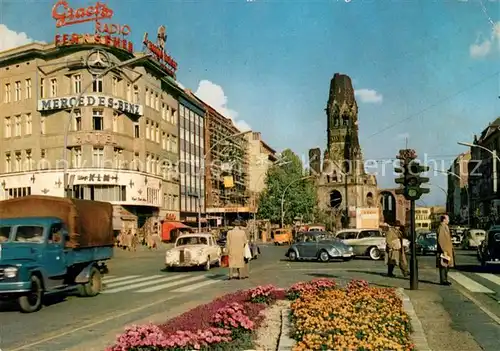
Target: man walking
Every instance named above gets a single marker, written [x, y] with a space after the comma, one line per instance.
[394, 251]
[445, 254]
[236, 242]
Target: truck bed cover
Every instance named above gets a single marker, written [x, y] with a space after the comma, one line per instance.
[89, 223]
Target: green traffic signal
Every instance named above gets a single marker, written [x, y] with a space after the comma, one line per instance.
[411, 179]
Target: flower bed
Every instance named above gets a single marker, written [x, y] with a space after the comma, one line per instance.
[226, 323]
[324, 317]
[358, 317]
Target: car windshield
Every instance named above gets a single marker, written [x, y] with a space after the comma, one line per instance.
[4, 234]
[192, 240]
[29, 234]
[478, 234]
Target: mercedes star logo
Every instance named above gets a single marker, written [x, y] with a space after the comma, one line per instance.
[97, 61]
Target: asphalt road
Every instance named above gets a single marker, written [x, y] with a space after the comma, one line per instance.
[137, 288]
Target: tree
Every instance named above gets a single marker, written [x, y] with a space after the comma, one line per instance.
[300, 197]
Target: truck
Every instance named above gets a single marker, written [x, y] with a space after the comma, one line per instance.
[51, 244]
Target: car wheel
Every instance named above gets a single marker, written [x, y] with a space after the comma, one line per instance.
[292, 255]
[94, 286]
[219, 262]
[33, 301]
[324, 256]
[374, 253]
[207, 265]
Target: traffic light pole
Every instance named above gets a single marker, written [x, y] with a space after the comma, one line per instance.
[413, 240]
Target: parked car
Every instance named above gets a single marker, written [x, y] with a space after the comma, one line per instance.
[194, 250]
[427, 243]
[282, 236]
[456, 240]
[473, 239]
[490, 248]
[366, 242]
[319, 246]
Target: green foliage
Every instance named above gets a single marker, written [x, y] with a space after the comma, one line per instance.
[300, 197]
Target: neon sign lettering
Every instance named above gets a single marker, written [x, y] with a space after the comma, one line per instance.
[107, 40]
[65, 15]
[112, 28]
[167, 62]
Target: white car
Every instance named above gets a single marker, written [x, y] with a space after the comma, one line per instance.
[194, 250]
[366, 242]
[473, 239]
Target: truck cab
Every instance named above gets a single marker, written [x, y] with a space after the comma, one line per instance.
[34, 261]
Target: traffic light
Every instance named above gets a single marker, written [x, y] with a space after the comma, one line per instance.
[414, 181]
[410, 180]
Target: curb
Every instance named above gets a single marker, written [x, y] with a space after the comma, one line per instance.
[285, 343]
[418, 335]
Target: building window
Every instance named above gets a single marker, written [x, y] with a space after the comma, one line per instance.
[137, 133]
[76, 157]
[77, 83]
[42, 88]
[28, 88]
[98, 157]
[148, 163]
[17, 92]
[129, 92]
[157, 103]
[118, 154]
[7, 132]
[173, 116]
[42, 124]
[136, 95]
[29, 124]
[114, 86]
[164, 141]
[29, 161]
[77, 114]
[97, 120]
[53, 87]
[163, 111]
[17, 126]
[148, 130]
[136, 162]
[43, 159]
[115, 122]
[8, 163]
[8, 93]
[97, 84]
[19, 164]
[157, 133]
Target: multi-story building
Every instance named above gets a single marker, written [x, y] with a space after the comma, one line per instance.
[435, 217]
[191, 153]
[261, 157]
[484, 206]
[457, 201]
[422, 218]
[226, 169]
[122, 136]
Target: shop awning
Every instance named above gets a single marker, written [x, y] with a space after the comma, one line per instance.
[168, 226]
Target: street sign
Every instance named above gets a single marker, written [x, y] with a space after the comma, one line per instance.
[97, 61]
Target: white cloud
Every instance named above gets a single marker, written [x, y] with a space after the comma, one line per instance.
[214, 96]
[482, 48]
[10, 39]
[180, 84]
[368, 96]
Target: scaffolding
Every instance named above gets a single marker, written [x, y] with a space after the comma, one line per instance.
[228, 158]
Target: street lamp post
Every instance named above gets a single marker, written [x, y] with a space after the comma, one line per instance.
[283, 196]
[202, 169]
[79, 96]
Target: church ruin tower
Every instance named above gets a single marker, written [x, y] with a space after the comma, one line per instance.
[342, 126]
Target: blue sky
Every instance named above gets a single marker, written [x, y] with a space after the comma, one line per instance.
[274, 61]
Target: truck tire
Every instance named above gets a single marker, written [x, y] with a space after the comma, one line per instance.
[34, 300]
[94, 285]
